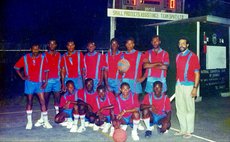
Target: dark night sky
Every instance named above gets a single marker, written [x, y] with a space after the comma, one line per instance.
[80, 20]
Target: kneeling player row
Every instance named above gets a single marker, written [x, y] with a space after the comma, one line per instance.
[101, 109]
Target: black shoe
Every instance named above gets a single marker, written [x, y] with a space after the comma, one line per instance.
[148, 134]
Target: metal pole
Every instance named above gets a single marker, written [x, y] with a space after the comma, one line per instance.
[198, 98]
[112, 23]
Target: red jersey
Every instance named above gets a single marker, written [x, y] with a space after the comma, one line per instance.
[156, 57]
[69, 97]
[73, 64]
[109, 100]
[126, 104]
[34, 67]
[135, 59]
[93, 64]
[89, 98]
[161, 104]
[53, 61]
[187, 64]
[111, 64]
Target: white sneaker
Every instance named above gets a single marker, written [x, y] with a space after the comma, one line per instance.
[95, 127]
[69, 124]
[124, 127]
[135, 136]
[81, 129]
[140, 127]
[63, 123]
[103, 125]
[47, 125]
[39, 123]
[73, 129]
[29, 125]
[86, 124]
[106, 128]
[111, 131]
[90, 125]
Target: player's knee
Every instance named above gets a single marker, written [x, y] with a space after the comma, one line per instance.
[136, 115]
[145, 113]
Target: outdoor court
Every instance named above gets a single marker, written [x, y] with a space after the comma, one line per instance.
[212, 123]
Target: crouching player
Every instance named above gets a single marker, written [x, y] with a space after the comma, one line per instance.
[156, 109]
[127, 110]
[103, 108]
[71, 105]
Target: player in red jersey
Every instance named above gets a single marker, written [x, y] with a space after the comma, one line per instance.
[54, 84]
[127, 110]
[88, 95]
[94, 64]
[112, 74]
[105, 102]
[71, 66]
[157, 62]
[156, 109]
[35, 70]
[134, 74]
[71, 104]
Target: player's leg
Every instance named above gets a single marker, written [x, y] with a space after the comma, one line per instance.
[82, 108]
[135, 119]
[56, 101]
[60, 117]
[29, 104]
[146, 115]
[76, 118]
[56, 88]
[107, 124]
[44, 111]
[40, 121]
[165, 124]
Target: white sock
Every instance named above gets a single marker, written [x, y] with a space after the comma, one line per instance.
[76, 117]
[135, 124]
[41, 116]
[82, 117]
[147, 123]
[56, 109]
[29, 116]
[69, 119]
[45, 116]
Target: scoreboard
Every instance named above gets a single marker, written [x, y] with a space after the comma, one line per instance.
[174, 6]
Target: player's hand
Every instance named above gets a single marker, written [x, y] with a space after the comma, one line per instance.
[44, 84]
[153, 109]
[24, 78]
[194, 92]
[99, 112]
[67, 105]
[120, 115]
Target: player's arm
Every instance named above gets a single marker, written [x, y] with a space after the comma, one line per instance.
[20, 75]
[63, 79]
[144, 106]
[196, 83]
[157, 65]
[105, 108]
[127, 111]
[44, 84]
[106, 78]
[18, 66]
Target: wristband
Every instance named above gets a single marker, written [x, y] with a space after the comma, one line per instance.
[194, 87]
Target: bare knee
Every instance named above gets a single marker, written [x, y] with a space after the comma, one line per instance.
[146, 113]
[136, 115]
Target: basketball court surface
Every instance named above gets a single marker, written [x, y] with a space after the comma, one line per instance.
[212, 123]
